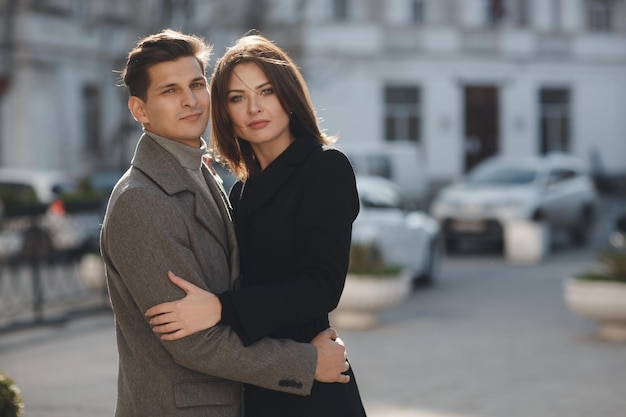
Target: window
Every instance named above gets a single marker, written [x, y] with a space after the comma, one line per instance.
[555, 14]
[379, 165]
[495, 11]
[554, 119]
[340, 10]
[53, 7]
[402, 113]
[599, 15]
[514, 12]
[561, 174]
[91, 118]
[417, 11]
[175, 13]
[521, 13]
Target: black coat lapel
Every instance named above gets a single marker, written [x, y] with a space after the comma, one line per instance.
[261, 189]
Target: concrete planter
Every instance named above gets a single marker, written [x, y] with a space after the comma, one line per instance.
[601, 301]
[91, 271]
[364, 297]
[526, 242]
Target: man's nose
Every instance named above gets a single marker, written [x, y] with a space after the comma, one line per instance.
[189, 98]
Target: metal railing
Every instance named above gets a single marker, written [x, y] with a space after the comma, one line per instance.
[37, 287]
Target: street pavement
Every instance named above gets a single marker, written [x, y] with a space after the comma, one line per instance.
[491, 339]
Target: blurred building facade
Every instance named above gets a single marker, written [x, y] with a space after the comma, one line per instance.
[452, 81]
[465, 79]
[61, 106]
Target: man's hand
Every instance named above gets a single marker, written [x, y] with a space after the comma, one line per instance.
[331, 357]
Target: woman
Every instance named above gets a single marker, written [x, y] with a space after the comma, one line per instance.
[293, 210]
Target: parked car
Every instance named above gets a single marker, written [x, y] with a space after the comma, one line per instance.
[54, 213]
[406, 236]
[398, 161]
[556, 189]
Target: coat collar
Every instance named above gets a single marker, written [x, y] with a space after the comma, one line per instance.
[161, 166]
[266, 184]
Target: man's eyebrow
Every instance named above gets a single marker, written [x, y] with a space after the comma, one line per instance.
[165, 86]
[170, 85]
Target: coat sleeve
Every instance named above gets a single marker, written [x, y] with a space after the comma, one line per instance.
[144, 236]
[324, 220]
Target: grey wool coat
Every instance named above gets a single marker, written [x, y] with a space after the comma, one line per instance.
[158, 220]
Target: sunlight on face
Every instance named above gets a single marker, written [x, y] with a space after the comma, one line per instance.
[256, 112]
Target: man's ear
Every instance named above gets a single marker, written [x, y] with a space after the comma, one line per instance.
[137, 109]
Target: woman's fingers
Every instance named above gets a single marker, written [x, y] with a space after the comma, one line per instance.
[168, 307]
[185, 285]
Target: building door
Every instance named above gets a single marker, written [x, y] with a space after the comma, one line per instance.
[482, 124]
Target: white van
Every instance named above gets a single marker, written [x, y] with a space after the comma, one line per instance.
[400, 162]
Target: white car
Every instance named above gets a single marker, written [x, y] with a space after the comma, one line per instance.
[406, 237]
[556, 189]
[29, 195]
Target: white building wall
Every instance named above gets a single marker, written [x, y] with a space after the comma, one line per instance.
[572, 15]
[443, 126]
[471, 13]
[600, 119]
[347, 65]
[555, 51]
[519, 114]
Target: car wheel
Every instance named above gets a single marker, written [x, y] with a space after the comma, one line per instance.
[431, 274]
[581, 230]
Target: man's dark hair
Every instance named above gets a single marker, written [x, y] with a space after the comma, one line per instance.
[168, 45]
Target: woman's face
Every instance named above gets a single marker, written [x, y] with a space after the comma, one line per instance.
[255, 111]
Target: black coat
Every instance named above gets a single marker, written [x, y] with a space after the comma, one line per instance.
[294, 226]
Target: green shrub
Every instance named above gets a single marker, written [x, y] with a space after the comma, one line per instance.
[367, 259]
[11, 404]
[612, 264]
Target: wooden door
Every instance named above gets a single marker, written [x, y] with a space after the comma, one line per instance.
[482, 124]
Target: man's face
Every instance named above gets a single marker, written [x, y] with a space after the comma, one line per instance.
[177, 101]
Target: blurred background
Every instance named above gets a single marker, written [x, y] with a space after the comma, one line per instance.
[450, 82]
[424, 93]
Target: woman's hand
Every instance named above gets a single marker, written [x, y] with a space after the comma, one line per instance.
[198, 310]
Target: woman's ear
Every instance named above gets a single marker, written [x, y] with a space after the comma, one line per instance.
[137, 109]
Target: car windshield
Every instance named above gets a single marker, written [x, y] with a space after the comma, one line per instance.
[500, 174]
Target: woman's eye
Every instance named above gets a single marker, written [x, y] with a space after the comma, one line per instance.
[235, 99]
[267, 91]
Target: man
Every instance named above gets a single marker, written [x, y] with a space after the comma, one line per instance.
[168, 213]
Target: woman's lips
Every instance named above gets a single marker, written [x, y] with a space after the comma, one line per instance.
[258, 124]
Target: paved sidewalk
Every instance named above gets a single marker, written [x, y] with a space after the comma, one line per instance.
[491, 340]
